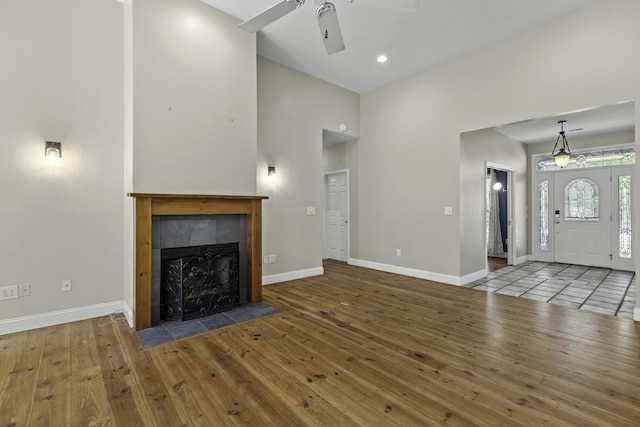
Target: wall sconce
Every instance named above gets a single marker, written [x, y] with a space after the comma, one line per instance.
[53, 151]
[271, 171]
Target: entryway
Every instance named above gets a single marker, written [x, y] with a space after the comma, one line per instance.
[499, 214]
[600, 290]
[583, 215]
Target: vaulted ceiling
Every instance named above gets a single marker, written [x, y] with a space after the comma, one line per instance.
[415, 35]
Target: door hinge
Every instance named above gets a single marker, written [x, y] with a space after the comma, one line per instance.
[611, 257]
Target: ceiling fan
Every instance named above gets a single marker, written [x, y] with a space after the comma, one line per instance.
[326, 15]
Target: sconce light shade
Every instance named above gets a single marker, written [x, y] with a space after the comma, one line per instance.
[272, 170]
[53, 150]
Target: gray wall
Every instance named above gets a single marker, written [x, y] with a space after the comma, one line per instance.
[194, 100]
[409, 150]
[61, 80]
[293, 109]
[179, 105]
[476, 149]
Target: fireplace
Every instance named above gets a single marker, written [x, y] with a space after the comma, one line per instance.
[199, 281]
[179, 235]
[150, 207]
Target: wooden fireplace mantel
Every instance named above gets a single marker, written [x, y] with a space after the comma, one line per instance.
[148, 205]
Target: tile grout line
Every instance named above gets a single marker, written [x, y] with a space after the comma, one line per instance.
[594, 289]
[581, 301]
[556, 294]
[626, 291]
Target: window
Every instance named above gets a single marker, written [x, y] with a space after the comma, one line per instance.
[581, 200]
[543, 214]
[591, 159]
[624, 232]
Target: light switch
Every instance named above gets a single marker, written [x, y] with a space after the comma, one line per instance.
[448, 210]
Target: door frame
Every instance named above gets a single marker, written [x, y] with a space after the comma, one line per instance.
[325, 222]
[511, 226]
[536, 176]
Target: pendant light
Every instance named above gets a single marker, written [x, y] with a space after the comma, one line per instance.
[563, 155]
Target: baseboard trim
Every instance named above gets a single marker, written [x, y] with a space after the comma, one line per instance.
[405, 271]
[43, 320]
[636, 314]
[473, 277]
[522, 259]
[128, 313]
[291, 275]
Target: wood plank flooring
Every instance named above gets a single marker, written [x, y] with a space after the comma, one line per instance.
[495, 263]
[354, 347]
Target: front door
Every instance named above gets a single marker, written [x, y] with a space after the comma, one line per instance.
[582, 217]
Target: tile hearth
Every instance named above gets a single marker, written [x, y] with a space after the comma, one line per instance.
[167, 331]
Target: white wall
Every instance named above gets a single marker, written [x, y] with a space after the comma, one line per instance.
[409, 148]
[61, 80]
[194, 100]
[293, 109]
[477, 148]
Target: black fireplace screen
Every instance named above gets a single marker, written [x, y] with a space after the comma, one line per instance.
[198, 281]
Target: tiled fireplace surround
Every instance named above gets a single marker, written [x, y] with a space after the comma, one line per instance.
[174, 231]
[186, 219]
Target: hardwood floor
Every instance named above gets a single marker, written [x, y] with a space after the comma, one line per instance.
[495, 263]
[353, 347]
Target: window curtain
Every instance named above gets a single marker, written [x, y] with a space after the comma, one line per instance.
[494, 239]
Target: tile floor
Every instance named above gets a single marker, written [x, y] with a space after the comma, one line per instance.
[169, 331]
[600, 290]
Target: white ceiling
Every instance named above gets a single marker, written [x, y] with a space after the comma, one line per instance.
[585, 122]
[414, 34]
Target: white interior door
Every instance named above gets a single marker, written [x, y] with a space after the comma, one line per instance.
[337, 221]
[582, 217]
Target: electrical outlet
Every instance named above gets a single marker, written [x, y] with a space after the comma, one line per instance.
[9, 292]
[25, 289]
[272, 258]
[311, 210]
[66, 285]
[399, 252]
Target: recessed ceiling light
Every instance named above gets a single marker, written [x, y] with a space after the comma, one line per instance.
[382, 58]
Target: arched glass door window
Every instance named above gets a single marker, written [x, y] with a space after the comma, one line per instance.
[581, 201]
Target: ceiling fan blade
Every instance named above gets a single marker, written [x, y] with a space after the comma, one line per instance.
[330, 28]
[270, 15]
